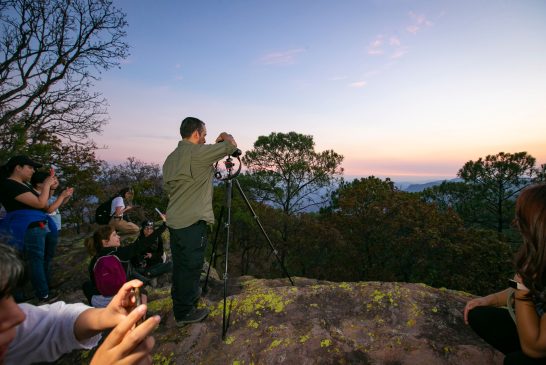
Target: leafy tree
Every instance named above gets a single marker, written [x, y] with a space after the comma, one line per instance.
[398, 237]
[51, 52]
[77, 166]
[498, 178]
[289, 174]
[465, 199]
[317, 249]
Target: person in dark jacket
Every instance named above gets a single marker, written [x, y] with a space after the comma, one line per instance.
[152, 259]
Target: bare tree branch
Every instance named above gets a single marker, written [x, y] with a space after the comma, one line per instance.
[51, 52]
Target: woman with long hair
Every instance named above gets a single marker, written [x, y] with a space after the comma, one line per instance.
[520, 331]
[106, 242]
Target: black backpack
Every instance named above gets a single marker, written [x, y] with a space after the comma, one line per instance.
[102, 214]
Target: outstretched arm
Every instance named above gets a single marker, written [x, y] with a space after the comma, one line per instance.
[492, 300]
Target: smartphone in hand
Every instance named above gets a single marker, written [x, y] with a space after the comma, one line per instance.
[138, 301]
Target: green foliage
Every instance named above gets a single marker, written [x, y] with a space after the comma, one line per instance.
[287, 172]
[498, 178]
[317, 249]
[465, 199]
[398, 237]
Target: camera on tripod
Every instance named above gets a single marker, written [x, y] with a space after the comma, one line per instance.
[232, 168]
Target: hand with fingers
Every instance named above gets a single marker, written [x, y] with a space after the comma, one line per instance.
[121, 304]
[128, 343]
[473, 303]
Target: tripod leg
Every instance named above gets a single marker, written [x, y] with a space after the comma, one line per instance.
[257, 219]
[213, 253]
[229, 191]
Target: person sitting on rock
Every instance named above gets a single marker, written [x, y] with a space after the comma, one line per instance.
[152, 260]
[106, 242]
[120, 206]
[520, 333]
[30, 334]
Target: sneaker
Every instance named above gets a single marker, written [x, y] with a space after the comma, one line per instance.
[194, 316]
[50, 298]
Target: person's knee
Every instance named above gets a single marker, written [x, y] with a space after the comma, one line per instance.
[476, 316]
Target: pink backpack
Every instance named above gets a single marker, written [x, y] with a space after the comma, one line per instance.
[109, 275]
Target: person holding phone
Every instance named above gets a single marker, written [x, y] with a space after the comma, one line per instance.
[521, 338]
[30, 334]
[26, 222]
[52, 237]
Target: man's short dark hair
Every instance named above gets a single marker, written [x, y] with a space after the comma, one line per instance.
[12, 270]
[190, 125]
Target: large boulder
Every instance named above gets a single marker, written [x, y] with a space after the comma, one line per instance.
[314, 322]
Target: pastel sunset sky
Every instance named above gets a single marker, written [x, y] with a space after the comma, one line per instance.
[405, 89]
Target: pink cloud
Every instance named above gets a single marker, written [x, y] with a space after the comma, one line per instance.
[418, 21]
[281, 58]
[376, 46]
[358, 84]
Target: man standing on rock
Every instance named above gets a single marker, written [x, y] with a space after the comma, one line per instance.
[187, 178]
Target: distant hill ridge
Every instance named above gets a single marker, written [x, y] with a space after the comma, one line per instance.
[417, 188]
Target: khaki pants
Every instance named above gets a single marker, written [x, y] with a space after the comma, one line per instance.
[123, 227]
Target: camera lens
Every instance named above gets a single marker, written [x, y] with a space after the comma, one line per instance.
[237, 153]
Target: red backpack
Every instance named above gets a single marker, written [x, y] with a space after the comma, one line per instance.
[109, 275]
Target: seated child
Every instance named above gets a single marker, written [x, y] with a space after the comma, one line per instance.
[110, 266]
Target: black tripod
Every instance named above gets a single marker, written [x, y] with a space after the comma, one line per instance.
[229, 179]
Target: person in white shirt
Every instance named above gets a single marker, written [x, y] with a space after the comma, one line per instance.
[31, 334]
[118, 210]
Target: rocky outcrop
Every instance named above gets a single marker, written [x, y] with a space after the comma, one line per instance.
[328, 323]
[317, 322]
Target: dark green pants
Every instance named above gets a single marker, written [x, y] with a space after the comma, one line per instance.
[188, 251]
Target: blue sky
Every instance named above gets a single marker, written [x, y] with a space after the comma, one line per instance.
[406, 89]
